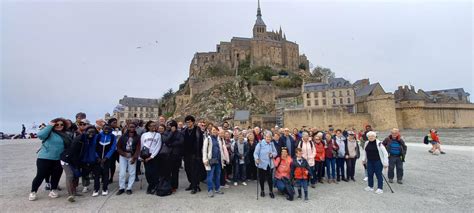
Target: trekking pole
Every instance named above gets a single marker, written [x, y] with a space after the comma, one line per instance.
[258, 179]
[387, 182]
[141, 173]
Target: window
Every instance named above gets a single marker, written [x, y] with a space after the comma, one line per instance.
[324, 94]
[348, 100]
[333, 101]
[316, 94]
[242, 122]
[308, 103]
[307, 95]
[348, 93]
[340, 101]
[135, 115]
[340, 93]
[324, 102]
[333, 94]
[316, 102]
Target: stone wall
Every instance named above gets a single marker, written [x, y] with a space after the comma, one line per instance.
[418, 115]
[382, 111]
[268, 93]
[200, 85]
[322, 118]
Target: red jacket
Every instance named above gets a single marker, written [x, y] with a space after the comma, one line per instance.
[320, 152]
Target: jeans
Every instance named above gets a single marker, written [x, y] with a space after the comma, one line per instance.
[44, 169]
[312, 170]
[331, 168]
[395, 161]
[302, 183]
[319, 168]
[280, 185]
[71, 181]
[124, 166]
[102, 172]
[213, 177]
[240, 172]
[351, 162]
[375, 167]
[340, 167]
[86, 170]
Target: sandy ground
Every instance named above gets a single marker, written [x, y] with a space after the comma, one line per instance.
[431, 184]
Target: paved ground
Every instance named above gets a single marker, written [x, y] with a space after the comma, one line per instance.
[432, 183]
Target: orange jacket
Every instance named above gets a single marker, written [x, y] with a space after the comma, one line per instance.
[435, 137]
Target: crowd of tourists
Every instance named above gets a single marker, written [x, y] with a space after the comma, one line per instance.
[290, 161]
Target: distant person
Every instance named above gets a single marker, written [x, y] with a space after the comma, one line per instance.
[330, 153]
[128, 148]
[364, 140]
[341, 154]
[80, 116]
[48, 162]
[175, 142]
[309, 153]
[251, 166]
[151, 145]
[117, 132]
[352, 154]
[162, 120]
[433, 137]
[286, 140]
[105, 148]
[193, 142]
[376, 158]
[240, 160]
[320, 157]
[301, 172]
[397, 150]
[72, 157]
[180, 126]
[264, 153]
[99, 124]
[23, 131]
[283, 174]
[214, 160]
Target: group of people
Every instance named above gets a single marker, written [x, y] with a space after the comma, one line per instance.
[217, 155]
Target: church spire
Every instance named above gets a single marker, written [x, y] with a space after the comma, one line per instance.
[259, 29]
[259, 11]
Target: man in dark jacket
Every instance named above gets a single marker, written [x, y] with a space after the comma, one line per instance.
[397, 150]
[287, 141]
[193, 165]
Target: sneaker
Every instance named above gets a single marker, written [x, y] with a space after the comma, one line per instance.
[53, 194]
[235, 184]
[219, 192]
[105, 193]
[399, 181]
[210, 193]
[306, 199]
[390, 180]
[129, 191]
[121, 191]
[442, 152]
[366, 179]
[71, 199]
[430, 151]
[32, 196]
[226, 186]
[379, 191]
[244, 183]
[85, 189]
[47, 187]
[95, 194]
[368, 189]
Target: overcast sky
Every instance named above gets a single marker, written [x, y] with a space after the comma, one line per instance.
[62, 57]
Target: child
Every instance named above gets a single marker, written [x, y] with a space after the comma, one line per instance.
[300, 173]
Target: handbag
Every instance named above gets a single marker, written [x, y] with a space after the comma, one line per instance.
[145, 153]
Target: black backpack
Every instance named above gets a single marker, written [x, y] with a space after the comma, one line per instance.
[163, 188]
[425, 140]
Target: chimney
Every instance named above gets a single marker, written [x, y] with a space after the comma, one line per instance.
[412, 88]
[406, 87]
[400, 88]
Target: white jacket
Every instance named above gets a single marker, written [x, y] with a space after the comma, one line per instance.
[383, 154]
[207, 152]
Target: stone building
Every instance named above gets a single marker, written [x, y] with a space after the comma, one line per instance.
[137, 108]
[363, 93]
[338, 92]
[265, 48]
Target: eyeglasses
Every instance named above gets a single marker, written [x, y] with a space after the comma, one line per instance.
[59, 124]
[82, 124]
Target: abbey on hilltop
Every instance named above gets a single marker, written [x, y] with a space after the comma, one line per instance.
[265, 48]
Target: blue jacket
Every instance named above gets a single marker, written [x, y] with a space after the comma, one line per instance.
[261, 153]
[53, 144]
[105, 145]
[89, 155]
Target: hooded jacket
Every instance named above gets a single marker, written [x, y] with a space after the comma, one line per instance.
[105, 145]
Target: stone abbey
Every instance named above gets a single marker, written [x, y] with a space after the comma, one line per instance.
[263, 49]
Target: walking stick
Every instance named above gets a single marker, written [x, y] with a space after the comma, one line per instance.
[387, 183]
[141, 173]
[258, 179]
